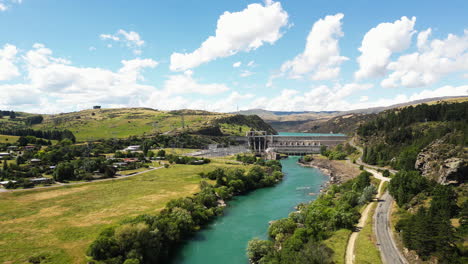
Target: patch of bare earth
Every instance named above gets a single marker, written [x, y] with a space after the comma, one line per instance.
[339, 171]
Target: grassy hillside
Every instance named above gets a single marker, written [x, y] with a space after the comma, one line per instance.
[123, 122]
[61, 222]
[396, 137]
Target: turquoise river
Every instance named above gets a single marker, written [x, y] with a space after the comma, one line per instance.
[225, 239]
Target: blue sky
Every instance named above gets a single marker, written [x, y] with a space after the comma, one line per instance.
[58, 56]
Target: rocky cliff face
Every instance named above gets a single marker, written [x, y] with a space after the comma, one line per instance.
[443, 163]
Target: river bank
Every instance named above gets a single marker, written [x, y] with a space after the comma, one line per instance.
[338, 171]
[248, 216]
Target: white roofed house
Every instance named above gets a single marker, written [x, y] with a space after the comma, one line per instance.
[5, 155]
[132, 148]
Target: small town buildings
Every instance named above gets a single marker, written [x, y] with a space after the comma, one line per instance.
[41, 180]
[3, 183]
[130, 160]
[29, 147]
[5, 155]
[132, 148]
[119, 164]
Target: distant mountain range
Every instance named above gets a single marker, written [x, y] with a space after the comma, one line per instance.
[330, 121]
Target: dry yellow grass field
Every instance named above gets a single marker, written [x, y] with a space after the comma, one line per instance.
[61, 222]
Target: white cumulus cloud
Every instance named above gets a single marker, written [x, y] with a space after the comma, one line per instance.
[131, 39]
[8, 69]
[186, 84]
[321, 57]
[52, 80]
[433, 60]
[380, 43]
[236, 64]
[6, 4]
[318, 98]
[238, 31]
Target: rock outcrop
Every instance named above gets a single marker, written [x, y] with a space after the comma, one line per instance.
[443, 163]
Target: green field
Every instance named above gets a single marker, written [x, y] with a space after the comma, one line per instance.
[61, 222]
[8, 139]
[366, 251]
[338, 242]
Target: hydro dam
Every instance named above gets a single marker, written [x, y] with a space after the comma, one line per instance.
[271, 145]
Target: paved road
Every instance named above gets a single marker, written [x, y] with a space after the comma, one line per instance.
[382, 229]
[350, 248]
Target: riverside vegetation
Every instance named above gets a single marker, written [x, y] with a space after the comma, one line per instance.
[152, 238]
[299, 238]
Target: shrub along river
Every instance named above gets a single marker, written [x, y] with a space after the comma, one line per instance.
[225, 239]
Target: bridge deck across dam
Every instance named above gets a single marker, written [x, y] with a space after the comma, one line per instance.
[261, 143]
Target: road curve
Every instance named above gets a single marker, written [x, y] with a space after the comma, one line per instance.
[382, 229]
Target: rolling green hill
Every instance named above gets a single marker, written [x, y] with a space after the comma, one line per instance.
[93, 124]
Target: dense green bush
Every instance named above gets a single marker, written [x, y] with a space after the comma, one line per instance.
[430, 231]
[407, 184]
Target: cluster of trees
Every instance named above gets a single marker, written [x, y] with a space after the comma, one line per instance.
[26, 140]
[237, 181]
[16, 172]
[33, 120]
[405, 185]
[186, 160]
[339, 152]
[430, 231]
[395, 137]
[298, 238]
[83, 169]
[246, 159]
[19, 174]
[151, 238]
[46, 134]
[11, 114]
